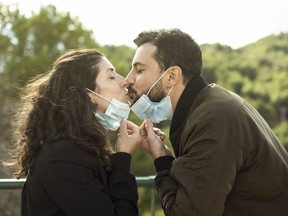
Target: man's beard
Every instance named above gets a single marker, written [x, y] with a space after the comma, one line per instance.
[155, 95]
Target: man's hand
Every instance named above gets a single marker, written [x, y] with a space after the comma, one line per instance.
[152, 140]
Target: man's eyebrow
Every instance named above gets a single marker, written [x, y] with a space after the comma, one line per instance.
[136, 64]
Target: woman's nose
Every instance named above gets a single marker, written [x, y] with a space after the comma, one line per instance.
[123, 82]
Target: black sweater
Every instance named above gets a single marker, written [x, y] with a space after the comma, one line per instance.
[67, 180]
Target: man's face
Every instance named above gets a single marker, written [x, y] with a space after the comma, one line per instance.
[145, 71]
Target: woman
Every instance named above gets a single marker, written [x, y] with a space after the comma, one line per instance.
[63, 148]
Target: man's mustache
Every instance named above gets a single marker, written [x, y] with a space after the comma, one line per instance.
[131, 91]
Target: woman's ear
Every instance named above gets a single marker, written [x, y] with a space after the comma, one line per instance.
[92, 96]
[175, 75]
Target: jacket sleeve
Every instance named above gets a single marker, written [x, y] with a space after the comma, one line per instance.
[78, 191]
[122, 185]
[199, 180]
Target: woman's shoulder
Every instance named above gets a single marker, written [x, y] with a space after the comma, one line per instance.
[62, 160]
[63, 150]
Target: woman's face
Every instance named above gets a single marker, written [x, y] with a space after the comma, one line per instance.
[110, 85]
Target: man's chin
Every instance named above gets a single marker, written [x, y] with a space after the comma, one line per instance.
[133, 97]
[133, 100]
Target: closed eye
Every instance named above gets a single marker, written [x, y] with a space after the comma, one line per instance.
[140, 71]
[111, 74]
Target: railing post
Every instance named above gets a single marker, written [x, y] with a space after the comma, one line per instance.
[152, 203]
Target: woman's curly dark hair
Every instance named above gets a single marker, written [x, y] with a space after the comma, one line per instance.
[56, 106]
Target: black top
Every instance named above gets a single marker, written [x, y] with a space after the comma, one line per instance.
[67, 180]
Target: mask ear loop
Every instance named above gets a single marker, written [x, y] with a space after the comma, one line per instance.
[158, 80]
[170, 90]
[98, 95]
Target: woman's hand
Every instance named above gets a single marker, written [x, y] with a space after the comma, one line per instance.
[129, 137]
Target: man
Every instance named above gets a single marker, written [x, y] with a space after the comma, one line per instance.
[227, 159]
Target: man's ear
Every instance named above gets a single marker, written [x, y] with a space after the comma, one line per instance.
[175, 75]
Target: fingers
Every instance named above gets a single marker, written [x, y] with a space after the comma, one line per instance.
[143, 129]
[132, 128]
[130, 132]
[128, 138]
[162, 136]
[123, 127]
[149, 124]
[147, 136]
[149, 127]
[154, 143]
[159, 133]
[127, 127]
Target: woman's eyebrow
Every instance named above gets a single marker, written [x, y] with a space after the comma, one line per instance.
[110, 70]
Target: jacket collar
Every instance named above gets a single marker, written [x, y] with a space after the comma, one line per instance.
[185, 102]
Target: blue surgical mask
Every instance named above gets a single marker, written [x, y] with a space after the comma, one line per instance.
[156, 111]
[115, 112]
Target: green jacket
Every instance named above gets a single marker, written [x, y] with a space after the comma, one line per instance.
[228, 160]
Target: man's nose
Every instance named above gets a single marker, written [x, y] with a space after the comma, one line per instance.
[130, 79]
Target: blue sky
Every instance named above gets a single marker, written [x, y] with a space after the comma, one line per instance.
[229, 22]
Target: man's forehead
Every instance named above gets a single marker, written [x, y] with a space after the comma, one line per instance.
[144, 55]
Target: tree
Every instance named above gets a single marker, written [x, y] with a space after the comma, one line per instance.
[36, 41]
